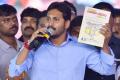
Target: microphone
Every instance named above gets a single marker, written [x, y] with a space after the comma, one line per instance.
[38, 41]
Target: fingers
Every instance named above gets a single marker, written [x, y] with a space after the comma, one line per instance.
[37, 33]
[106, 30]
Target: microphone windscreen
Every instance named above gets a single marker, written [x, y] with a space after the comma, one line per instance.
[50, 31]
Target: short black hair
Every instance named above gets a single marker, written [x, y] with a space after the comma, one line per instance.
[62, 7]
[116, 12]
[32, 12]
[44, 13]
[72, 7]
[106, 6]
[77, 21]
[7, 10]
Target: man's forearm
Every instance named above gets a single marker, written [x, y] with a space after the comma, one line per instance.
[106, 48]
[22, 56]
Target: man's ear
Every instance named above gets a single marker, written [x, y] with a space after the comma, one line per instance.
[67, 24]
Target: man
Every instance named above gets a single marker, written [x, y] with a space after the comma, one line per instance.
[60, 57]
[42, 22]
[29, 24]
[29, 21]
[75, 26]
[9, 44]
[115, 39]
[91, 74]
[73, 9]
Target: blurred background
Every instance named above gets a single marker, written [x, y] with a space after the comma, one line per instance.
[43, 4]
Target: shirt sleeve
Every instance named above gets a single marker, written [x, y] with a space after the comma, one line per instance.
[117, 75]
[16, 70]
[108, 58]
[102, 62]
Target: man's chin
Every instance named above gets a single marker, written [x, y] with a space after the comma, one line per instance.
[11, 35]
[54, 37]
[28, 35]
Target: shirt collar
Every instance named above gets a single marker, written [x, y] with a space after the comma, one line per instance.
[4, 44]
[19, 44]
[69, 38]
[21, 39]
[7, 46]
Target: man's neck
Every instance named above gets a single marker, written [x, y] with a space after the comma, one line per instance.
[10, 40]
[58, 41]
[25, 38]
[117, 35]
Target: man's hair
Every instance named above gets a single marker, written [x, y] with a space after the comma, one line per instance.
[77, 21]
[106, 6]
[116, 12]
[44, 13]
[71, 6]
[30, 12]
[62, 7]
[7, 10]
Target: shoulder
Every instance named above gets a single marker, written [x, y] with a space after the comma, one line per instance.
[83, 47]
[75, 42]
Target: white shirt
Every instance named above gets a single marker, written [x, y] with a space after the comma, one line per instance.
[7, 52]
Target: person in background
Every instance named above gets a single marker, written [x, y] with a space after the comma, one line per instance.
[90, 74]
[10, 46]
[73, 9]
[115, 39]
[60, 57]
[42, 22]
[75, 25]
[29, 22]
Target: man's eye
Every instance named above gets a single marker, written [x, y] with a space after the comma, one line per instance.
[15, 19]
[34, 21]
[56, 19]
[23, 21]
[42, 25]
[47, 18]
[6, 20]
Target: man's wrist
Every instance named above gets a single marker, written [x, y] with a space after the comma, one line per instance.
[26, 44]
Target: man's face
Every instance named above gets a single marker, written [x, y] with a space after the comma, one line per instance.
[57, 22]
[75, 31]
[28, 26]
[117, 24]
[8, 25]
[43, 22]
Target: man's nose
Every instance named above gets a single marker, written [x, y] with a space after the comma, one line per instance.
[28, 24]
[13, 22]
[51, 22]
